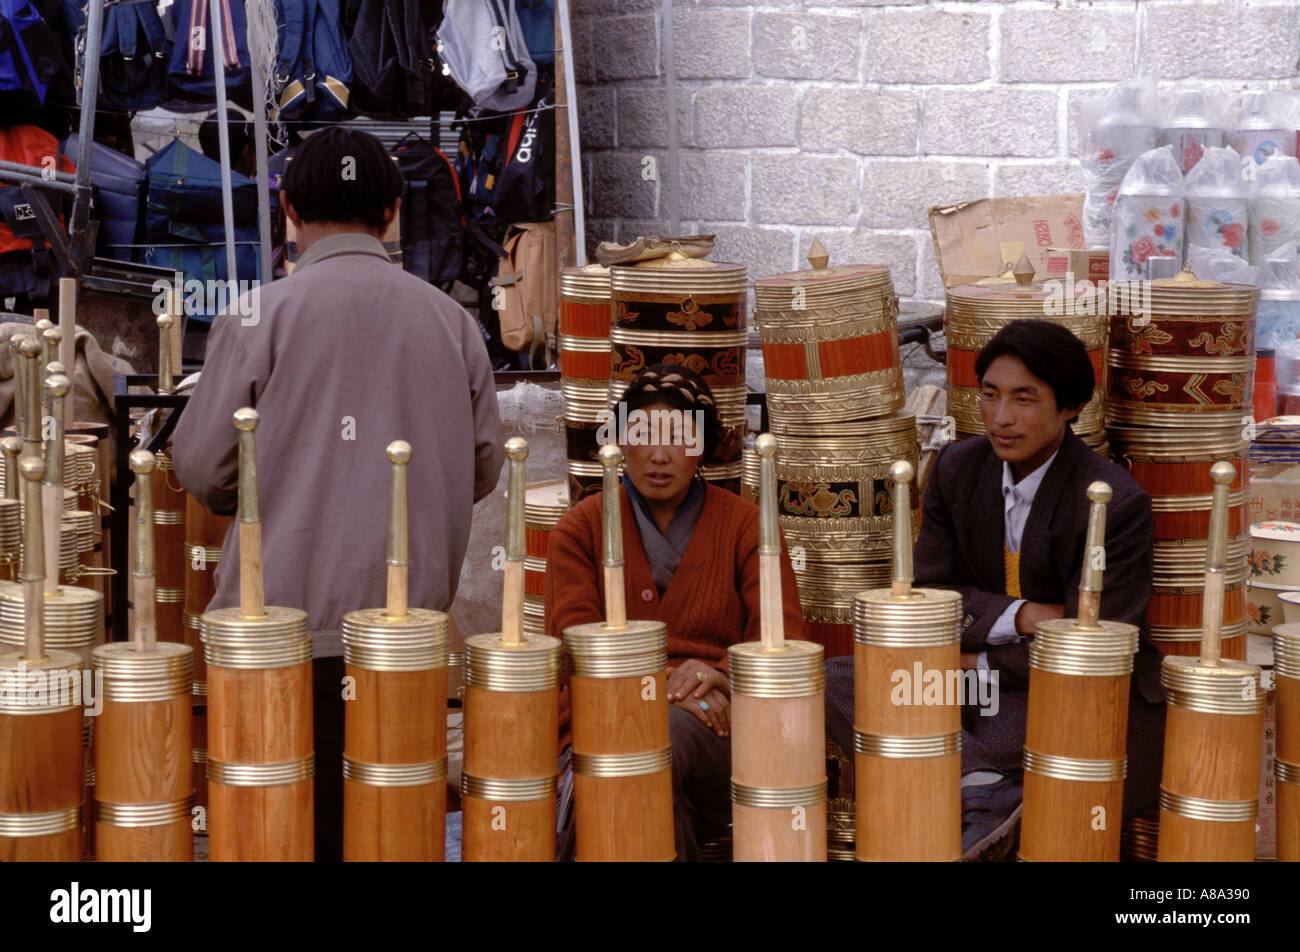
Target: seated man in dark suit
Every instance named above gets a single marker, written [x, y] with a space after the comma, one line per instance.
[1003, 523]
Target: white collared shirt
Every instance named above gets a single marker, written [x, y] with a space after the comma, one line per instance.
[1017, 500]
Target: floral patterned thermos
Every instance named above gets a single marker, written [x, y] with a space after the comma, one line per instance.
[1218, 203]
[1274, 207]
[1149, 216]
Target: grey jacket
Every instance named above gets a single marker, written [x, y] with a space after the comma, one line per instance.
[340, 359]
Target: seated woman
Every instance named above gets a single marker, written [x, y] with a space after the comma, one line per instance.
[691, 553]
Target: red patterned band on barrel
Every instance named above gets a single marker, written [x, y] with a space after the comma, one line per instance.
[1194, 523]
[1186, 478]
[835, 358]
[536, 542]
[1174, 390]
[785, 362]
[534, 583]
[584, 366]
[585, 320]
[961, 366]
[1198, 337]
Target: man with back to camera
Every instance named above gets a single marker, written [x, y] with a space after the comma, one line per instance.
[341, 358]
[1003, 522]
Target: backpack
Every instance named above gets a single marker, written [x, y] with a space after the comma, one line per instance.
[482, 45]
[524, 189]
[30, 57]
[190, 73]
[314, 68]
[391, 58]
[118, 181]
[27, 266]
[133, 57]
[433, 228]
[537, 19]
[525, 292]
[183, 208]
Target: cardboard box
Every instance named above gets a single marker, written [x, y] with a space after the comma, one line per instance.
[1274, 493]
[974, 240]
[1085, 264]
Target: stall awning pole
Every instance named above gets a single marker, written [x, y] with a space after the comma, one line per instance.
[215, 21]
[575, 143]
[86, 131]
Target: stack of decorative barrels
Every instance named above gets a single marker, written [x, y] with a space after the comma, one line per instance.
[1179, 397]
[545, 503]
[688, 311]
[834, 389]
[976, 312]
[584, 370]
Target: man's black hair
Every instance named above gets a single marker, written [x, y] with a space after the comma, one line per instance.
[240, 131]
[1052, 354]
[344, 176]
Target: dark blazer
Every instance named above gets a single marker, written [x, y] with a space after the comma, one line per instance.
[961, 548]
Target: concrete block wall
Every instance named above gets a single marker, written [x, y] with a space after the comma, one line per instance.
[848, 119]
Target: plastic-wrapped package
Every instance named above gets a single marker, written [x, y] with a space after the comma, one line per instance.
[1114, 129]
[1193, 123]
[1148, 217]
[1278, 318]
[1265, 126]
[1220, 264]
[1218, 202]
[1274, 206]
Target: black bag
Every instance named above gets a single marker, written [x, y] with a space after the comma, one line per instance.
[433, 227]
[118, 181]
[133, 57]
[524, 190]
[392, 59]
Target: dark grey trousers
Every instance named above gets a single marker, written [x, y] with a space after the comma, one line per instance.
[997, 743]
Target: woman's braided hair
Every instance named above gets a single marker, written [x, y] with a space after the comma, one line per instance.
[683, 389]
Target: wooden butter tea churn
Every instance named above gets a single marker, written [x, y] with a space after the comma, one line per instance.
[622, 758]
[778, 762]
[1210, 783]
[1286, 759]
[907, 749]
[261, 762]
[512, 715]
[144, 786]
[395, 730]
[1079, 673]
[41, 760]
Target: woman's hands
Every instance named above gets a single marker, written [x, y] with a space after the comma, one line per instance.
[703, 690]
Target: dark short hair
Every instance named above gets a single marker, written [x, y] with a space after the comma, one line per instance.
[239, 129]
[1052, 354]
[682, 389]
[319, 190]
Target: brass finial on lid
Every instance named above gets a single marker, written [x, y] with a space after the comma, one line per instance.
[818, 257]
[1023, 271]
